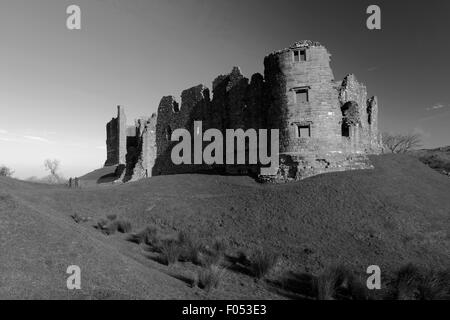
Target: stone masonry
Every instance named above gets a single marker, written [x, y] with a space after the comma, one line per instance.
[116, 139]
[324, 125]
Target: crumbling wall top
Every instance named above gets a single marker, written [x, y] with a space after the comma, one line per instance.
[352, 90]
[299, 44]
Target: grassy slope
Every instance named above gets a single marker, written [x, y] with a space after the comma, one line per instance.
[38, 243]
[397, 213]
[438, 159]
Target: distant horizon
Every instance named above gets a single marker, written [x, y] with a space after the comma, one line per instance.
[62, 86]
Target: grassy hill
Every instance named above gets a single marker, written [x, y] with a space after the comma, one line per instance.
[437, 159]
[397, 213]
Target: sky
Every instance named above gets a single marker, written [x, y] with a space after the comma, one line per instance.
[59, 87]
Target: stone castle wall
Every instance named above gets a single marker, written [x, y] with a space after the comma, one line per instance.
[116, 139]
[320, 112]
[236, 104]
[325, 125]
[146, 148]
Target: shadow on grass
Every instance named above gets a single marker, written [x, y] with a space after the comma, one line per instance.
[298, 286]
[134, 239]
[158, 259]
[189, 281]
[152, 249]
[107, 178]
[235, 265]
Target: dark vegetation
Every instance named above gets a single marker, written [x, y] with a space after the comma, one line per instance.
[262, 262]
[6, 171]
[113, 224]
[401, 143]
[210, 277]
[415, 283]
[340, 283]
[334, 283]
[437, 159]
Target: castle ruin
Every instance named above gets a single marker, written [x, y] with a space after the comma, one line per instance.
[324, 125]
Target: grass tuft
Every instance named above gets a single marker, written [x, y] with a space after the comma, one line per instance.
[149, 236]
[101, 224]
[339, 283]
[76, 218]
[436, 286]
[170, 251]
[220, 246]
[79, 219]
[407, 282]
[209, 278]
[192, 247]
[413, 283]
[262, 262]
[111, 217]
[243, 259]
[122, 226]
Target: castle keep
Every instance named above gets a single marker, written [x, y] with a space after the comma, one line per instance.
[324, 125]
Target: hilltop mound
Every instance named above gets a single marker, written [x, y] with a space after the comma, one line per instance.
[397, 213]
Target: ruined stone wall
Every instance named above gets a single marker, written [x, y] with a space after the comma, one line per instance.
[195, 106]
[285, 77]
[364, 134]
[116, 139]
[372, 114]
[146, 131]
[236, 104]
[325, 125]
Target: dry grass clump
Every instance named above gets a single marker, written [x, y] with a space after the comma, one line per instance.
[211, 258]
[79, 219]
[242, 258]
[101, 224]
[262, 262]
[124, 226]
[170, 251]
[406, 283]
[109, 226]
[195, 251]
[214, 255]
[413, 283]
[220, 246]
[339, 283]
[436, 285]
[192, 248]
[149, 236]
[210, 277]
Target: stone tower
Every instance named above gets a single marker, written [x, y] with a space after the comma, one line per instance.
[324, 125]
[303, 102]
[116, 139]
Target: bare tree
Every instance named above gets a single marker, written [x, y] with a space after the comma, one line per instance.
[53, 167]
[5, 171]
[401, 143]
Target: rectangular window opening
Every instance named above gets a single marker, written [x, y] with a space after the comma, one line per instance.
[304, 131]
[302, 55]
[299, 55]
[302, 95]
[296, 56]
